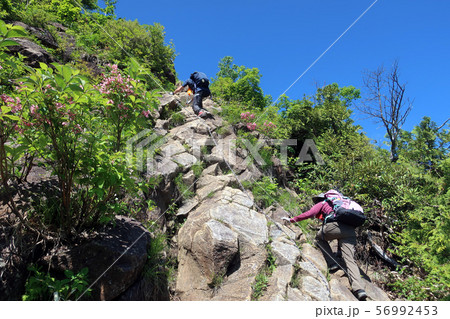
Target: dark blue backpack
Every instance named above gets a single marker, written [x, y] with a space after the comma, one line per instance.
[200, 79]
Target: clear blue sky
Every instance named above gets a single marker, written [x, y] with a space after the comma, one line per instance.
[282, 39]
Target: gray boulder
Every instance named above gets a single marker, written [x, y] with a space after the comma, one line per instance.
[101, 256]
[223, 238]
[43, 35]
[32, 51]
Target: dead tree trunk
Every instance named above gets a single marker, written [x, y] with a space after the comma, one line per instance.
[386, 103]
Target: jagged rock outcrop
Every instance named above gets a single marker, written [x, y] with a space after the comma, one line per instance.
[43, 35]
[223, 237]
[33, 52]
[98, 254]
[225, 241]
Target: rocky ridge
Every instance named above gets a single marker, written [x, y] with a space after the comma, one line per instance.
[222, 241]
[225, 240]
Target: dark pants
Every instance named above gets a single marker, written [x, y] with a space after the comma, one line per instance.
[346, 237]
[198, 100]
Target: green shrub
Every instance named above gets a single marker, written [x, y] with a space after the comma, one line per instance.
[184, 190]
[177, 119]
[41, 286]
[198, 168]
[265, 191]
[262, 278]
[239, 84]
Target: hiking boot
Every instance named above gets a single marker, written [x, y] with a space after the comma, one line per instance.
[334, 268]
[360, 294]
[203, 113]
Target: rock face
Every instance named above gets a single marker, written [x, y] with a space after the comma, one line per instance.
[223, 237]
[33, 52]
[225, 242]
[44, 36]
[99, 255]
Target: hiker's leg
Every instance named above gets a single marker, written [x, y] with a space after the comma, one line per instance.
[348, 254]
[198, 105]
[326, 233]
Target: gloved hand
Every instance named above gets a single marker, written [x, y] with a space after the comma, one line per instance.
[286, 218]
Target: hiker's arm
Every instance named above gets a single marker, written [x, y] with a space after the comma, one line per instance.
[316, 209]
[178, 89]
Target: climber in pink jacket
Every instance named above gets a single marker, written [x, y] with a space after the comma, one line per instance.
[346, 236]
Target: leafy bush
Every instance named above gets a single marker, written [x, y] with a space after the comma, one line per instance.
[265, 191]
[127, 104]
[77, 129]
[239, 84]
[123, 40]
[41, 286]
[184, 189]
[198, 168]
[262, 278]
[14, 158]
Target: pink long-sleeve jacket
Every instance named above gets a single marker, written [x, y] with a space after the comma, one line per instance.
[319, 210]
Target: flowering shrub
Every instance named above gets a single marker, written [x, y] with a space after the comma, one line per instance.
[127, 103]
[66, 121]
[248, 117]
[266, 128]
[10, 109]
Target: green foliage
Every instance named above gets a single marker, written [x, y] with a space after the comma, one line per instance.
[260, 285]
[265, 191]
[423, 242]
[97, 32]
[184, 189]
[198, 168]
[14, 158]
[411, 196]
[127, 102]
[262, 278]
[119, 40]
[426, 145]
[39, 13]
[154, 267]
[177, 119]
[6, 8]
[41, 286]
[77, 129]
[327, 111]
[216, 280]
[239, 84]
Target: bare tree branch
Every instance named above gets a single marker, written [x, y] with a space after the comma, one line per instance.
[443, 124]
[386, 102]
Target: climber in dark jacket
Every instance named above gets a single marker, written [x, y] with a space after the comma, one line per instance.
[346, 236]
[199, 84]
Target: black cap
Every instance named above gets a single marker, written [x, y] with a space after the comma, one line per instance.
[318, 198]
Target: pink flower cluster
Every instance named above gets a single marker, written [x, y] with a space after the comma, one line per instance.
[267, 127]
[47, 87]
[61, 113]
[252, 126]
[247, 116]
[115, 83]
[146, 113]
[14, 104]
[269, 124]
